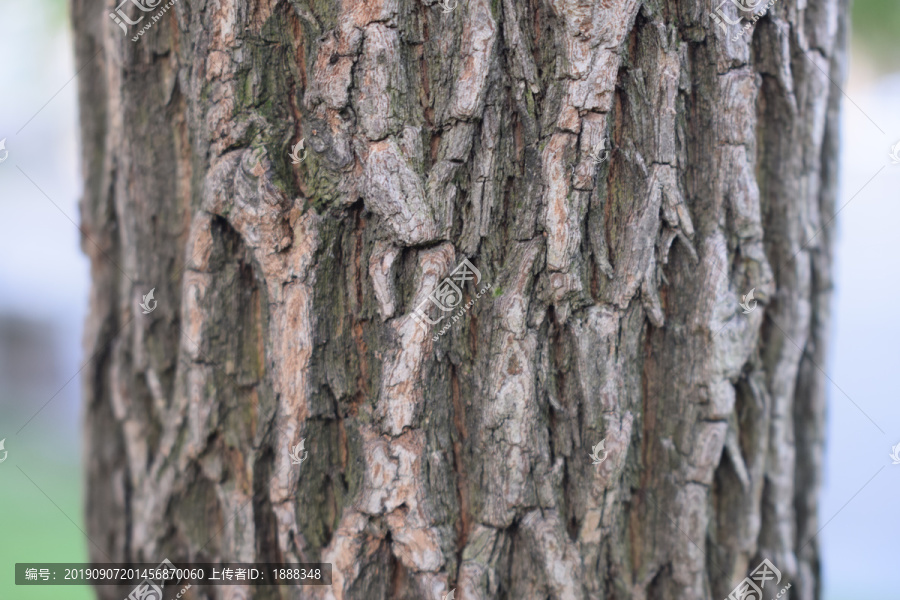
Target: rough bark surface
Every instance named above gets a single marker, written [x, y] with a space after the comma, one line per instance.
[286, 293]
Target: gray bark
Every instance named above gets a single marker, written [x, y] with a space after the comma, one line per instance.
[286, 292]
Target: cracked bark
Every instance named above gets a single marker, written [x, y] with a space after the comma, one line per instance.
[460, 460]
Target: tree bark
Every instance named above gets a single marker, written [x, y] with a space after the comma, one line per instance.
[459, 459]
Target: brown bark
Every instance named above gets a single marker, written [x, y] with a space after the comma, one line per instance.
[286, 292]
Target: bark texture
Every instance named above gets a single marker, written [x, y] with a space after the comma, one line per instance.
[286, 293]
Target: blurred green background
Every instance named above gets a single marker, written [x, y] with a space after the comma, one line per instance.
[876, 27]
[45, 296]
[34, 525]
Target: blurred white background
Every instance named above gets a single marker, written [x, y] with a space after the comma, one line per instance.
[860, 544]
[44, 282]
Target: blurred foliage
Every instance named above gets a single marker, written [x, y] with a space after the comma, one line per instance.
[34, 530]
[58, 12]
[875, 25]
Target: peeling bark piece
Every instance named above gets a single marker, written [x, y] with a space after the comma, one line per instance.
[479, 32]
[396, 193]
[380, 270]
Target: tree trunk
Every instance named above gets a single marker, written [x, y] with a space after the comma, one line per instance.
[605, 306]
